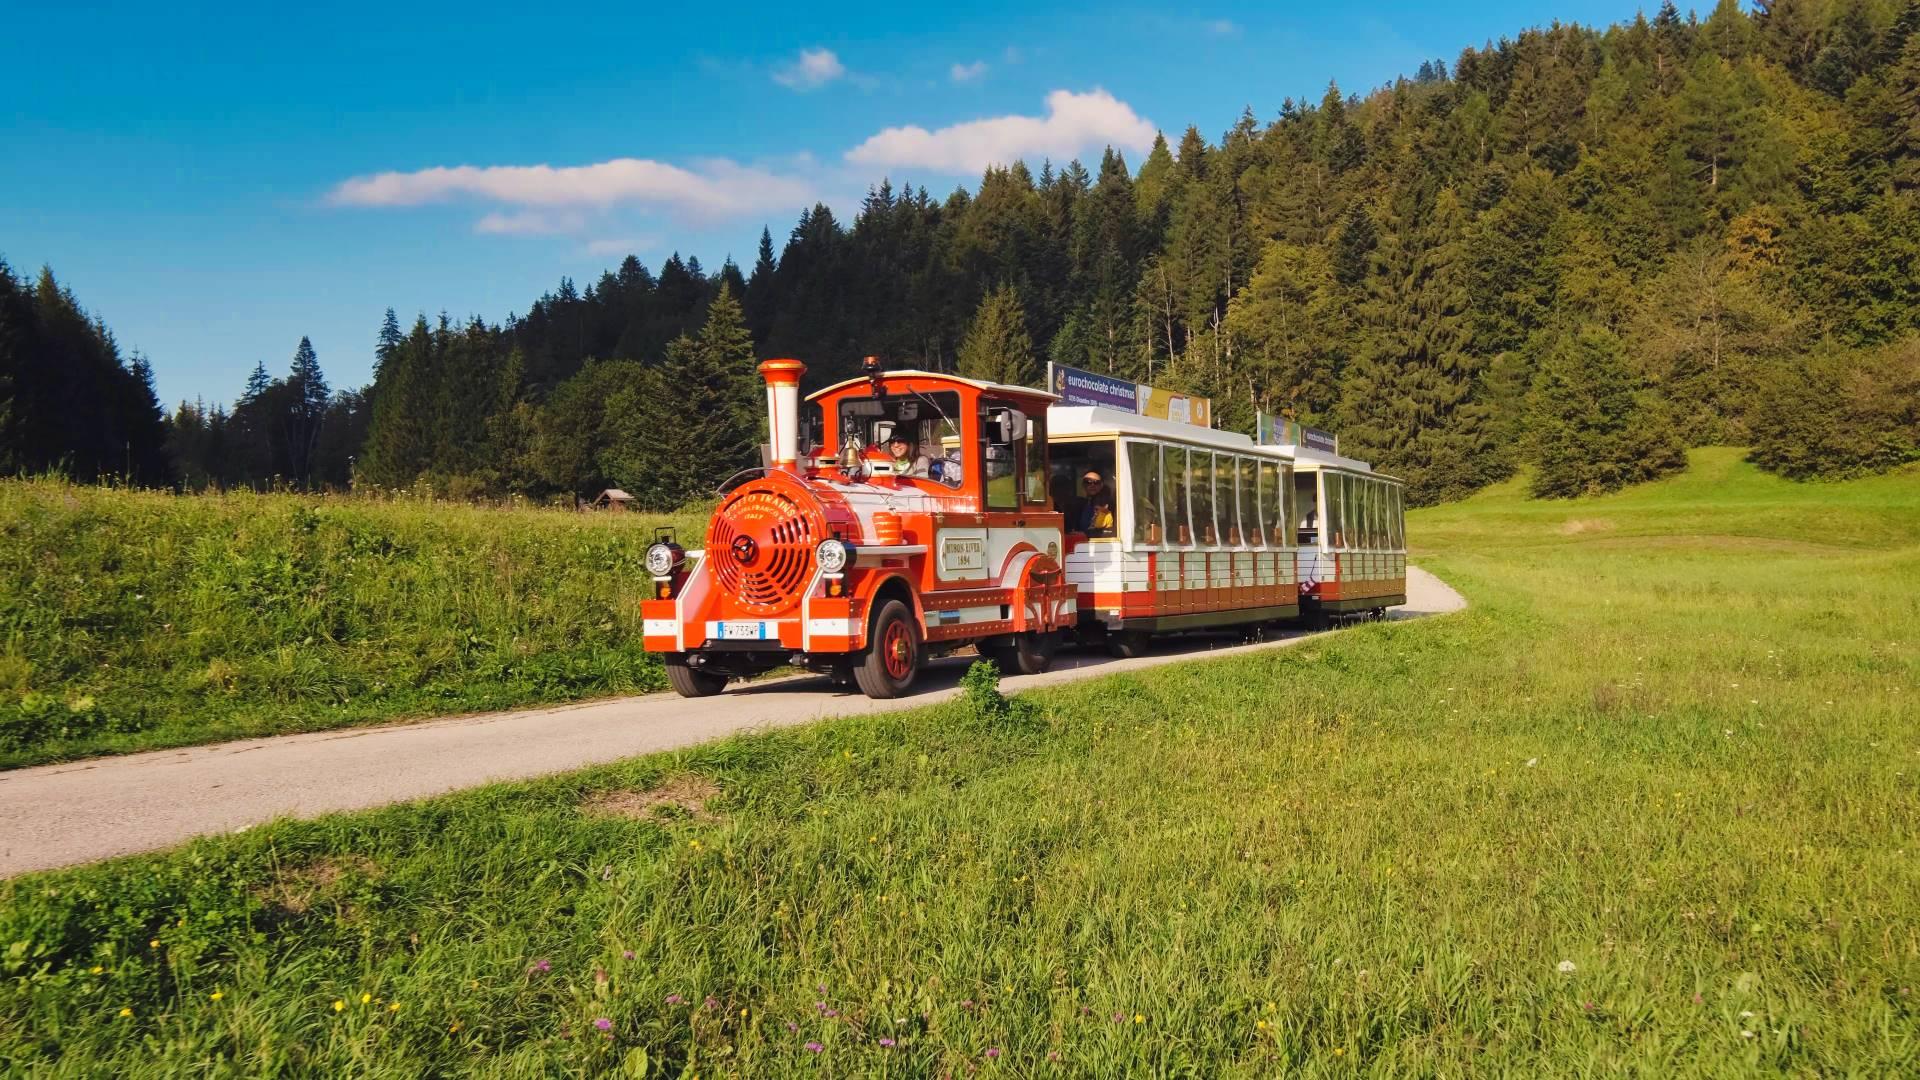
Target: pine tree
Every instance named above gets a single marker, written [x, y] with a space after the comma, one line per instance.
[1593, 429]
[997, 348]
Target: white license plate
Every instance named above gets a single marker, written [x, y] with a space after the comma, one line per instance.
[743, 631]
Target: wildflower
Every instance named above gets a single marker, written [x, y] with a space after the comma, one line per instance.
[743, 1014]
[1339, 1051]
[815, 1047]
[1053, 1055]
[675, 999]
[711, 1003]
[1565, 967]
[126, 1012]
[626, 954]
[791, 1026]
[1259, 1025]
[1139, 1018]
[455, 1026]
[365, 998]
[393, 1007]
[1745, 1034]
[215, 996]
[886, 1043]
[97, 969]
[1746, 1014]
[993, 1051]
[541, 966]
[1532, 761]
[154, 944]
[603, 1023]
[338, 1005]
[1119, 1018]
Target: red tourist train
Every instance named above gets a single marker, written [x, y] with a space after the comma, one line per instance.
[931, 513]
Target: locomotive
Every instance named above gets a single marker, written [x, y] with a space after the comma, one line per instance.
[930, 513]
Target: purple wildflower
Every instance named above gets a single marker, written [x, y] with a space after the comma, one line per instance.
[711, 1003]
[830, 1013]
[886, 1043]
[1119, 1018]
[815, 1047]
[993, 1051]
[603, 1023]
[626, 954]
[1053, 1055]
[791, 1026]
[541, 966]
[675, 999]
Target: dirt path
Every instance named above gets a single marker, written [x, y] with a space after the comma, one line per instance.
[60, 815]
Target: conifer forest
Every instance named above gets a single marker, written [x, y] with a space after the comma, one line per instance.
[1574, 251]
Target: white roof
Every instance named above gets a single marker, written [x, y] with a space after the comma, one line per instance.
[1067, 420]
[978, 383]
[1306, 457]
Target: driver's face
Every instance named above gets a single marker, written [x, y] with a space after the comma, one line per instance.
[1092, 482]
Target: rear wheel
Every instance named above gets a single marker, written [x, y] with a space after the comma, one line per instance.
[892, 659]
[1127, 644]
[1026, 654]
[688, 681]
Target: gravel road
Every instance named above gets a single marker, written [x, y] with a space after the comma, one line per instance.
[61, 815]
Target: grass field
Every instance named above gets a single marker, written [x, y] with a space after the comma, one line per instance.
[1648, 807]
[132, 620]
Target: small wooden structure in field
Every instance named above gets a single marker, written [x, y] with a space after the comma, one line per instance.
[613, 499]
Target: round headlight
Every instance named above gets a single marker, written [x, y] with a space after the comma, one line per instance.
[832, 555]
[660, 560]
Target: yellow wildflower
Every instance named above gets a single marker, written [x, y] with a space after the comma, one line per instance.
[338, 1005]
[215, 996]
[154, 944]
[364, 998]
[1339, 1051]
[395, 1007]
[126, 1012]
[97, 969]
[1139, 1018]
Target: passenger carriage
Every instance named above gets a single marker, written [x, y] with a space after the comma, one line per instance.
[1203, 536]
[1352, 536]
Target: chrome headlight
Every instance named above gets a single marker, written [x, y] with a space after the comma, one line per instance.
[661, 559]
[833, 555]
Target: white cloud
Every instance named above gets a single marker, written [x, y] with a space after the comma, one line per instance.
[1074, 123]
[814, 69]
[708, 189]
[614, 246]
[1012, 54]
[1222, 27]
[968, 72]
[528, 223]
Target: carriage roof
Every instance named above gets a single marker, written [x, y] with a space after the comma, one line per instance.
[1068, 421]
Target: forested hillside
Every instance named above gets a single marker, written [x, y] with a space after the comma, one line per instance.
[1580, 249]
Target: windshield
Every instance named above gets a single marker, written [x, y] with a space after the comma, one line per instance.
[910, 435]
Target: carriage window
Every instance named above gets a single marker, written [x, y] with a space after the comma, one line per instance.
[1200, 497]
[1367, 537]
[1380, 538]
[1335, 497]
[1288, 516]
[1087, 508]
[1399, 520]
[1251, 530]
[1306, 507]
[1143, 465]
[1272, 504]
[1178, 483]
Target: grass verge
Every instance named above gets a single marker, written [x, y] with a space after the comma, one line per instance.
[1649, 806]
[134, 620]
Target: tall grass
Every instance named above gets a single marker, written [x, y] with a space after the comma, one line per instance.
[134, 619]
[1648, 807]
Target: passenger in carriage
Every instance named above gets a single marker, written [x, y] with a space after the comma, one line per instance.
[1095, 514]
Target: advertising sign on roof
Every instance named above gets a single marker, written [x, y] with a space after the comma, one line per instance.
[1077, 387]
[1280, 431]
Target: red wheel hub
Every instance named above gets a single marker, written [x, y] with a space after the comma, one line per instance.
[896, 649]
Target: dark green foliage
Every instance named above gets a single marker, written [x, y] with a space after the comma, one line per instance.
[997, 347]
[1593, 428]
[1841, 413]
[1720, 190]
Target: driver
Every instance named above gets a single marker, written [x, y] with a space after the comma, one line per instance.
[905, 461]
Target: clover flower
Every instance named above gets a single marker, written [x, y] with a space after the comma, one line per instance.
[885, 1043]
[993, 1051]
[675, 999]
[1565, 967]
[815, 1047]
[603, 1023]
[542, 966]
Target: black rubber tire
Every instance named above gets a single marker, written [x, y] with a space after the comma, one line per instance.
[894, 653]
[1127, 644]
[689, 681]
[1029, 654]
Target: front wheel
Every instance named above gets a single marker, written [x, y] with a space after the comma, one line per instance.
[892, 660]
[688, 681]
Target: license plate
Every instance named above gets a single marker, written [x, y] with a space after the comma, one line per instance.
[743, 631]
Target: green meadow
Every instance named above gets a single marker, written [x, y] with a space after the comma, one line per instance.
[1649, 806]
[131, 620]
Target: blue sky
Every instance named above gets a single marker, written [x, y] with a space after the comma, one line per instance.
[215, 184]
